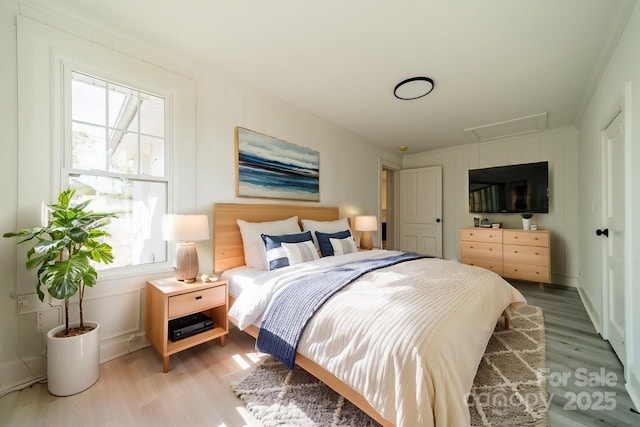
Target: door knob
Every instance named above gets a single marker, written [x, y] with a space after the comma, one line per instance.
[604, 231]
[437, 219]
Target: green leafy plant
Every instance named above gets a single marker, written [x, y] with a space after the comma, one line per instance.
[526, 215]
[64, 248]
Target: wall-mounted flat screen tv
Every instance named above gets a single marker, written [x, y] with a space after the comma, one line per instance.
[510, 189]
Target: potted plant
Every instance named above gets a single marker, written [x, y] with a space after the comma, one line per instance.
[62, 255]
[526, 217]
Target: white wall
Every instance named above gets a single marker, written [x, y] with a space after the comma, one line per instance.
[558, 147]
[609, 97]
[10, 370]
[348, 169]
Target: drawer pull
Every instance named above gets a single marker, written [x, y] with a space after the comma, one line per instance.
[490, 249]
[490, 236]
[515, 269]
[515, 252]
[471, 247]
[535, 238]
[198, 297]
[537, 272]
[515, 237]
[537, 253]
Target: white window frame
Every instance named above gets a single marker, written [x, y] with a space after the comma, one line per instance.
[68, 68]
[44, 53]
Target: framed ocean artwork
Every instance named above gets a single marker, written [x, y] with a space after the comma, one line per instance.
[275, 169]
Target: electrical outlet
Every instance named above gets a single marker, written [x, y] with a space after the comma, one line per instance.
[40, 322]
[22, 301]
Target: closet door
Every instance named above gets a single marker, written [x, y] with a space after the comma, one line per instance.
[613, 232]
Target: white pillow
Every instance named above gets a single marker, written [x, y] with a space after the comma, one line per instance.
[343, 246]
[297, 253]
[324, 227]
[254, 252]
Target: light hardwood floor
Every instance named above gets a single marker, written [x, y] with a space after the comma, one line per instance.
[132, 390]
[574, 347]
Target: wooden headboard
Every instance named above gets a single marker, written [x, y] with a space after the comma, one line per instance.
[227, 241]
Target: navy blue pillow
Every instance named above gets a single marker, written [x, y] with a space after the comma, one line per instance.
[276, 255]
[325, 245]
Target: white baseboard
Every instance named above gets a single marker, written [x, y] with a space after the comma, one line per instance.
[13, 374]
[119, 346]
[570, 281]
[633, 388]
[18, 372]
[591, 311]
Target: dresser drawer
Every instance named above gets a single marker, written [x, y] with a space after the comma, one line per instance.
[533, 255]
[527, 238]
[496, 267]
[192, 302]
[479, 250]
[534, 273]
[488, 235]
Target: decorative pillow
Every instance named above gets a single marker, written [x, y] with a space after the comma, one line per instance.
[276, 255]
[254, 254]
[324, 227]
[343, 246]
[297, 253]
[325, 245]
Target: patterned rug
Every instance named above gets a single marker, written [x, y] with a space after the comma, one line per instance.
[509, 389]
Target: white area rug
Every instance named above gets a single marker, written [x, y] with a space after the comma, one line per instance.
[509, 388]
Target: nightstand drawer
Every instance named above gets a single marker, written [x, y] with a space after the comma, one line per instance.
[180, 305]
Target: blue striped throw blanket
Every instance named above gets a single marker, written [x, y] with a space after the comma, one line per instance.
[284, 322]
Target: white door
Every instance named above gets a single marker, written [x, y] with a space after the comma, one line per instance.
[421, 210]
[613, 235]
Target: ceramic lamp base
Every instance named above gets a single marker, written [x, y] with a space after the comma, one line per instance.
[187, 265]
[366, 242]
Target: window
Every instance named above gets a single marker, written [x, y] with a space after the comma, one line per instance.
[115, 153]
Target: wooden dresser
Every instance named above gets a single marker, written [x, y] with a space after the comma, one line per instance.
[482, 247]
[515, 254]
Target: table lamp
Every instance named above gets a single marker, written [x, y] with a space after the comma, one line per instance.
[366, 224]
[185, 229]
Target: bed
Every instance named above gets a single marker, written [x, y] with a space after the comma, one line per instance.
[402, 343]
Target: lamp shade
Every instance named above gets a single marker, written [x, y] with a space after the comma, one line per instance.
[185, 228]
[366, 223]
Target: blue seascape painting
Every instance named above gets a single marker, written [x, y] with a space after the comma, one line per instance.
[276, 169]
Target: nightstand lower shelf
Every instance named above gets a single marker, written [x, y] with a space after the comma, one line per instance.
[177, 346]
[169, 299]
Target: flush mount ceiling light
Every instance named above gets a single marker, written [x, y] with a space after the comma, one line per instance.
[413, 88]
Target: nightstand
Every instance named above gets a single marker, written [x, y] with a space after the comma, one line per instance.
[168, 299]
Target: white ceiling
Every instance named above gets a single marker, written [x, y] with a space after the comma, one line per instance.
[491, 60]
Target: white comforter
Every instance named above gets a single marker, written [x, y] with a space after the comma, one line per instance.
[409, 338]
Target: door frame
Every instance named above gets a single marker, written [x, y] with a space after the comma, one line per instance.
[391, 168]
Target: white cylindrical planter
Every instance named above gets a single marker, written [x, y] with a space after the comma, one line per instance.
[73, 364]
[525, 223]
